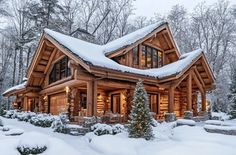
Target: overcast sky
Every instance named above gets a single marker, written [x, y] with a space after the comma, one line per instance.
[149, 7]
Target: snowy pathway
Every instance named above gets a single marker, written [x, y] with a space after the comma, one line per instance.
[182, 140]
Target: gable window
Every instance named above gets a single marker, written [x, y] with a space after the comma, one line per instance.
[160, 59]
[151, 57]
[135, 54]
[60, 70]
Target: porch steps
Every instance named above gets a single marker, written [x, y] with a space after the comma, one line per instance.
[202, 116]
[77, 130]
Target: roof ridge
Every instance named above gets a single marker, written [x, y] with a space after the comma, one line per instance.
[119, 42]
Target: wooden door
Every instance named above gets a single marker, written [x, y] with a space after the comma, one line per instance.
[154, 102]
[58, 103]
[115, 103]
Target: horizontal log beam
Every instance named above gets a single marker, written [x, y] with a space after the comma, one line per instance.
[38, 74]
[71, 83]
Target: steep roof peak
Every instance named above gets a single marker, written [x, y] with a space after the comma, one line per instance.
[116, 44]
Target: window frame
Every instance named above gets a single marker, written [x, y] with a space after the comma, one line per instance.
[145, 50]
[135, 54]
[56, 72]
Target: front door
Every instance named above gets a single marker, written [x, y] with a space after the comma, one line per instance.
[153, 102]
[115, 103]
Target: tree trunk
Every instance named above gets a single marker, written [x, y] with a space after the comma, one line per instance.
[14, 68]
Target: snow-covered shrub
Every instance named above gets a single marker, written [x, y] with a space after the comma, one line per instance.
[154, 123]
[60, 124]
[118, 128]
[220, 116]
[5, 128]
[105, 129]
[2, 112]
[25, 116]
[164, 130]
[90, 122]
[10, 114]
[32, 143]
[101, 129]
[1, 123]
[42, 120]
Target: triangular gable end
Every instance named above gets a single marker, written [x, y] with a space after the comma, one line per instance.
[45, 54]
[201, 69]
[161, 37]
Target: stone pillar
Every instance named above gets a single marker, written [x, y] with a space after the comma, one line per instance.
[188, 115]
[170, 117]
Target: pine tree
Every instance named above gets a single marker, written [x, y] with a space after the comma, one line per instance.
[140, 118]
[232, 111]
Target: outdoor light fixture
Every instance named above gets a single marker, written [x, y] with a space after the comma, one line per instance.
[45, 97]
[67, 89]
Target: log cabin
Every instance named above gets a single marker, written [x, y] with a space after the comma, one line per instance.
[86, 79]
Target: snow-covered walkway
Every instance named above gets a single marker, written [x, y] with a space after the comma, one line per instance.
[182, 140]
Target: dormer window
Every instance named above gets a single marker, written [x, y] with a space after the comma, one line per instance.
[60, 70]
[151, 57]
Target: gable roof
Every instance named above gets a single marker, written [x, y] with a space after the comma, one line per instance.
[94, 55]
[131, 38]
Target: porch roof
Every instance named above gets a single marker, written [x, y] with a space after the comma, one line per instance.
[14, 89]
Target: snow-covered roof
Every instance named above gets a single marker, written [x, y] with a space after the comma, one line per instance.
[95, 55]
[16, 87]
[131, 37]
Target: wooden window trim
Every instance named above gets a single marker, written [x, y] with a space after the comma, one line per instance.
[52, 77]
[152, 49]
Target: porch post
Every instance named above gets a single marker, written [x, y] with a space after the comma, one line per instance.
[170, 116]
[203, 99]
[91, 98]
[189, 92]
[171, 100]
[95, 98]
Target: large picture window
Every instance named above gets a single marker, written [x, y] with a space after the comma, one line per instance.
[60, 70]
[151, 57]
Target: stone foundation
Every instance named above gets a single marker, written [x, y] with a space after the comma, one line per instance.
[188, 115]
[170, 117]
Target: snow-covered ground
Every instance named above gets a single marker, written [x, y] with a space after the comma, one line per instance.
[183, 140]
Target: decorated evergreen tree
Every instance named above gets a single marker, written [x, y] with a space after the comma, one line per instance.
[232, 110]
[140, 118]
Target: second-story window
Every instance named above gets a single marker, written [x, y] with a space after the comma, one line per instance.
[60, 70]
[135, 54]
[151, 57]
